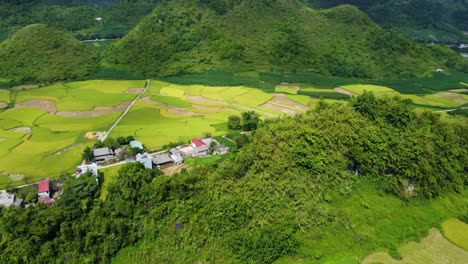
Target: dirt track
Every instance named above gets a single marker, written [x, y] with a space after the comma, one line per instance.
[170, 109]
[2, 104]
[282, 99]
[281, 109]
[343, 91]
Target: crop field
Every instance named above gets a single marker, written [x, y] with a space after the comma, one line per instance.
[42, 136]
[457, 232]
[434, 249]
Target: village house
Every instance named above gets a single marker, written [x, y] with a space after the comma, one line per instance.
[43, 192]
[85, 168]
[103, 155]
[136, 144]
[145, 159]
[162, 160]
[8, 199]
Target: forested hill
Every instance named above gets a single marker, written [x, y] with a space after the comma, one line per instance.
[281, 35]
[38, 53]
[430, 20]
[322, 187]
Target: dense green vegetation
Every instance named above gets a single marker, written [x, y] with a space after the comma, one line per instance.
[76, 16]
[320, 187]
[38, 53]
[282, 36]
[428, 20]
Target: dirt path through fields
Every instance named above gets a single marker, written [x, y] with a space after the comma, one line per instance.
[43, 104]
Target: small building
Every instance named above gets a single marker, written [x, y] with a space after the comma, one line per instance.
[186, 151]
[174, 151]
[92, 168]
[177, 159]
[162, 160]
[43, 188]
[145, 159]
[208, 141]
[136, 144]
[197, 143]
[8, 199]
[103, 154]
[200, 151]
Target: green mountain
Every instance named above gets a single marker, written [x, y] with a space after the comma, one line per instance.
[75, 16]
[39, 53]
[427, 20]
[281, 35]
[330, 186]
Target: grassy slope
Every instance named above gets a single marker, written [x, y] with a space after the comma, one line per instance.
[181, 36]
[38, 53]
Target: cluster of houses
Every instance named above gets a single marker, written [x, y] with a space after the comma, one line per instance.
[175, 156]
[43, 196]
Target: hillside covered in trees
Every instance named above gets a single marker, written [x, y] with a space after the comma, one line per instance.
[429, 20]
[281, 35]
[77, 17]
[38, 53]
[333, 184]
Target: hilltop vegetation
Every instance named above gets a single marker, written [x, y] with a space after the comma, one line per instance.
[318, 187]
[78, 17]
[439, 20]
[38, 53]
[282, 35]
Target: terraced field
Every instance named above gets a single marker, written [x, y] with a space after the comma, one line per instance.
[43, 134]
[435, 248]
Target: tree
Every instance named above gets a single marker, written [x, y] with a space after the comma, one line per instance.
[88, 154]
[250, 121]
[234, 122]
[99, 144]
[366, 105]
[111, 143]
[122, 141]
[130, 138]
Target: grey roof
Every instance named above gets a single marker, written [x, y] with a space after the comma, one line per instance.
[147, 162]
[102, 152]
[161, 159]
[174, 151]
[201, 149]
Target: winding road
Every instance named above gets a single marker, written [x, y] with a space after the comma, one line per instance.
[125, 112]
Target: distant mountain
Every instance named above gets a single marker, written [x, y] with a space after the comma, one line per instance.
[280, 35]
[431, 20]
[39, 53]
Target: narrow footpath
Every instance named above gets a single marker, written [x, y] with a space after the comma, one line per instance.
[125, 112]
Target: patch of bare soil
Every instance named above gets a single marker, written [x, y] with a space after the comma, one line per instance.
[119, 107]
[16, 177]
[455, 97]
[200, 99]
[343, 91]
[45, 105]
[281, 109]
[25, 87]
[2, 139]
[213, 108]
[459, 90]
[170, 109]
[23, 129]
[94, 134]
[83, 114]
[135, 90]
[294, 86]
[169, 171]
[3, 105]
[282, 99]
[67, 149]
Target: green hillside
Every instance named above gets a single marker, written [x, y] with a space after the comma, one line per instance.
[426, 20]
[330, 186]
[282, 35]
[38, 53]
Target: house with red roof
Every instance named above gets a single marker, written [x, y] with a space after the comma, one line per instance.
[43, 189]
[197, 143]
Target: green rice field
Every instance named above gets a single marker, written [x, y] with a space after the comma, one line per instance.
[43, 135]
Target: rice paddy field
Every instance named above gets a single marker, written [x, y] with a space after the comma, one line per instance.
[43, 134]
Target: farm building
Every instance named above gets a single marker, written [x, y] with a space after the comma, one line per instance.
[43, 191]
[92, 168]
[8, 199]
[197, 143]
[145, 159]
[103, 154]
[162, 160]
[136, 144]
